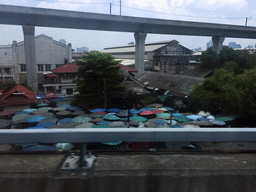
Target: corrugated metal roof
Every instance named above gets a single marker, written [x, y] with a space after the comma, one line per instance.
[174, 83]
[148, 48]
[198, 72]
[127, 62]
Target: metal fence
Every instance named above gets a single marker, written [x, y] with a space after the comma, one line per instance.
[86, 135]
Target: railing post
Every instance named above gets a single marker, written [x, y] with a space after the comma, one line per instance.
[83, 162]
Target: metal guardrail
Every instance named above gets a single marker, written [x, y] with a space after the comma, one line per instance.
[85, 135]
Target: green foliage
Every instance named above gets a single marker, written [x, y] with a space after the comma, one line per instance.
[226, 92]
[9, 86]
[147, 100]
[251, 61]
[227, 54]
[209, 59]
[230, 66]
[98, 69]
[212, 60]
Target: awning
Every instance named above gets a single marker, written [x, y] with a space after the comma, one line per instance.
[52, 76]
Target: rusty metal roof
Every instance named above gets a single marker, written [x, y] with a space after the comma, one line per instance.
[182, 84]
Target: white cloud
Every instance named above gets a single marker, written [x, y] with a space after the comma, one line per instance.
[213, 4]
[147, 3]
[180, 2]
[78, 5]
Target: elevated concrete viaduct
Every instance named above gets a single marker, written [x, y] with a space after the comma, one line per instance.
[28, 16]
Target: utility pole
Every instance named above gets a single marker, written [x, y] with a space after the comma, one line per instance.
[120, 7]
[246, 20]
[110, 8]
[105, 94]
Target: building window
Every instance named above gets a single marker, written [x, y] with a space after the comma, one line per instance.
[47, 67]
[69, 91]
[23, 67]
[40, 67]
[59, 65]
[7, 70]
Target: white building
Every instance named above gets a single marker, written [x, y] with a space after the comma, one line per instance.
[49, 55]
[6, 63]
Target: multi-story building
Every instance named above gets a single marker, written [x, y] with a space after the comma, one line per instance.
[164, 56]
[82, 49]
[233, 45]
[6, 63]
[49, 55]
[62, 79]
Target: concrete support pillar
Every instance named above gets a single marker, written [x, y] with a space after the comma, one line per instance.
[217, 43]
[52, 55]
[69, 53]
[30, 56]
[139, 52]
[15, 62]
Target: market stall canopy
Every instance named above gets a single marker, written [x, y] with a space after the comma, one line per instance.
[45, 124]
[35, 119]
[114, 110]
[111, 117]
[66, 120]
[49, 120]
[138, 118]
[22, 112]
[96, 120]
[81, 118]
[97, 115]
[85, 125]
[99, 109]
[164, 115]
[74, 108]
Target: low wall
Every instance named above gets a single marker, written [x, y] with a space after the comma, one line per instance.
[134, 172]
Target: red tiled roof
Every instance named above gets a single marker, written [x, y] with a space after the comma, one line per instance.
[129, 69]
[73, 68]
[9, 98]
[68, 68]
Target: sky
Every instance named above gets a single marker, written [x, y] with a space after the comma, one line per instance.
[232, 12]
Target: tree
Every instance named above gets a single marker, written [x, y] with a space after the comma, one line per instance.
[209, 59]
[99, 77]
[212, 60]
[226, 92]
[8, 86]
[227, 54]
[251, 61]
